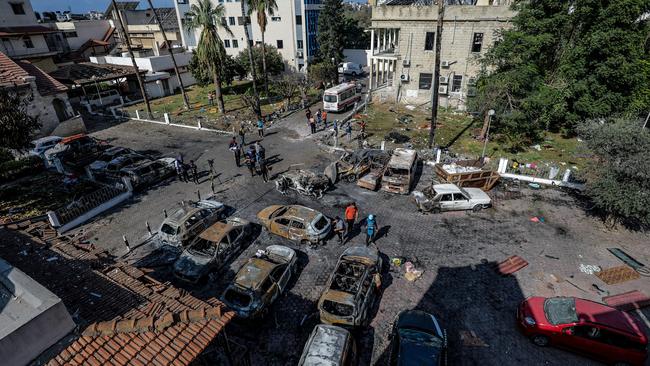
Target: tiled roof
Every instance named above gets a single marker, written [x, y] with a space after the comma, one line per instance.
[13, 72]
[134, 319]
[25, 30]
[81, 73]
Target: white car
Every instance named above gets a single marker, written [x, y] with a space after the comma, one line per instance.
[39, 146]
[449, 197]
[350, 68]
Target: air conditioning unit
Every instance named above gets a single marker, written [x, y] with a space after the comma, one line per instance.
[444, 64]
[443, 80]
[442, 89]
[406, 63]
[471, 81]
[404, 78]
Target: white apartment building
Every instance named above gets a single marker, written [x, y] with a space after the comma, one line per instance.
[402, 51]
[292, 29]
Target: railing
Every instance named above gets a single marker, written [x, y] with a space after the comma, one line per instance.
[86, 203]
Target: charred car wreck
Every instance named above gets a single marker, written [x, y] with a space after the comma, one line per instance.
[304, 182]
[354, 165]
[352, 289]
[400, 172]
[190, 219]
[295, 222]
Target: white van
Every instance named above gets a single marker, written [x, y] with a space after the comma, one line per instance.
[350, 68]
[105, 97]
[340, 97]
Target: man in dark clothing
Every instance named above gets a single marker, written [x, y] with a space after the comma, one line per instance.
[250, 161]
[186, 175]
[234, 147]
[339, 228]
[195, 172]
[263, 169]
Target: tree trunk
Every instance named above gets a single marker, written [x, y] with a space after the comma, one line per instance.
[217, 91]
[266, 76]
[486, 123]
[256, 96]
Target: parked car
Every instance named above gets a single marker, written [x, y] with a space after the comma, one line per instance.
[211, 249]
[352, 289]
[586, 327]
[417, 339]
[113, 169]
[108, 155]
[449, 197]
[179, 228]
[150, 172]
[78, 150]
[261, 280]
[329, 345]
[399, 174]
[105, 97]
[350, 68]
[295, 222]
[39, 146]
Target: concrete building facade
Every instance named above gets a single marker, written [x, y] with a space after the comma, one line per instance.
[292, 29]
[402, 50]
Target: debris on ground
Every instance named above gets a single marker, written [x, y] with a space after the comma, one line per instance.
[539, 219]
[405, 118]
[615, 275]
[304, 182]
[396, 138]
[628, 300]
[397, 261]
[627, 259]
[511, 265]
[588, 268]
[470, 339]
[411, 274]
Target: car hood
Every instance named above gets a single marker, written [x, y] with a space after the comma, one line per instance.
[190, 264]
[477, 194]
[265, 214]
[417, 354]
[534, 307]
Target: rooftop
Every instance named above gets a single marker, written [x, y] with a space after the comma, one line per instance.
[82, 73]
[14, 73]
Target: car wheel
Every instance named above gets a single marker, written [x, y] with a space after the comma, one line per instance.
[477, 208]
[540, 340]
[351, 178]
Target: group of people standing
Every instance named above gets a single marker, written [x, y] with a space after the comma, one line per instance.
[345, 229]
[183, 171]
[254, 156]
[317, 119]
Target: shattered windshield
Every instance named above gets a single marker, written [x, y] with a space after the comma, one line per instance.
[418, 336]
[337, 308]
[320, 223]
[237, 298]
[560, 310]
[279, 212]
[204, 247]
[168, 229]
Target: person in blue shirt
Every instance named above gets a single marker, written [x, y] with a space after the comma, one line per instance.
[371, 229]
[260, 126]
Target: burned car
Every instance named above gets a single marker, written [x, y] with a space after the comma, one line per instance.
[148, 173]
[211, 249]
[329, 345]
[304, 182]
[449, 197]
[190, 219]
[352, 289]
[77, 150]
[399, 175]
[354, 165]
[108, 155]
[112, 169]
[261, 280]
[295, 222]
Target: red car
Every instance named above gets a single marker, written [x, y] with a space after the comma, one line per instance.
[586, 327]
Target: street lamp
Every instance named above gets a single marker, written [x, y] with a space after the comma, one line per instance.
[487, 134]
[94, 78]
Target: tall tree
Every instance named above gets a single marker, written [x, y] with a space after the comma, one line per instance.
[255, 104]
[262, 8]
[17, 127]
[274, 60]
[567, 61]
[210, 51]
[331, 36]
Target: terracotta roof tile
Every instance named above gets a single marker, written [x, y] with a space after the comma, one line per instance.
[13, 73]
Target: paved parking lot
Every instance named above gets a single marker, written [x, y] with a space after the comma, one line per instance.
[456, 251]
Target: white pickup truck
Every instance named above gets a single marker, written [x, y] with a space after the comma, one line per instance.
[449, 197]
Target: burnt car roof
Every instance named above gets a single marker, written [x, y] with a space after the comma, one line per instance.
[326, 346]
[340, 297]
[181, 215]
[216, 232]
[362, 252]
[253, 273]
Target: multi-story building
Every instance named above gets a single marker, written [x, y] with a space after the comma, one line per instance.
[292, 29]
[188, 36]
[402, 52]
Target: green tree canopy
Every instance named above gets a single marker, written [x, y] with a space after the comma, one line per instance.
[331, 35]
[274, 61]
[17, 127]
[230, 70]
[564, 62]
[619, 181]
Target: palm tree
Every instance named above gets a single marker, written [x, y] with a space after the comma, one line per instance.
[256, 96]
[210, 51]
[262, 7]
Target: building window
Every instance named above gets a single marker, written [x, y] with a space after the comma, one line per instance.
[299, 44]
[430, 41]
[17, 8]
[276, 19]
[221, 1]
[280, 44]
[231, 20]
[235, 43]
[70, 35]
[181, 1]
[28, 42]
[226, 43]
[425, 81]
[477, 42]
[457, 83]
[240, 20]
[298, 19]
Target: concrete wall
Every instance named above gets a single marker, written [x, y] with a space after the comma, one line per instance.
[86, 30]
[153, 63]
[461, 22]
[42, 107]
[15, 46]
[188, 37]
[357, 56]
[9, 19]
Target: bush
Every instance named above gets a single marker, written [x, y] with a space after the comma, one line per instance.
[5, 155]
[14, 169]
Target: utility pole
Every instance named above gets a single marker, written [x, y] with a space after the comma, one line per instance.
[128, 46]
[436, 74]
[171, 53]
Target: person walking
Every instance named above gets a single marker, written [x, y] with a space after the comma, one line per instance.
[348, 131]
[325, 118]
[339, 228]
[308, 114]
[263, 169]
[195, 172]
[351, 215]
[319, 116]
[260, 127]
[242, 136]
[336, 132]
[312, 124]
[178, 165]
[250, 162]
[234, 147]
[210, 99]
[260, 151]
[371, 229]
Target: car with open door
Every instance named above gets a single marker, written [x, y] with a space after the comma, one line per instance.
[260, 281]
[585, 327]
[295, 222]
